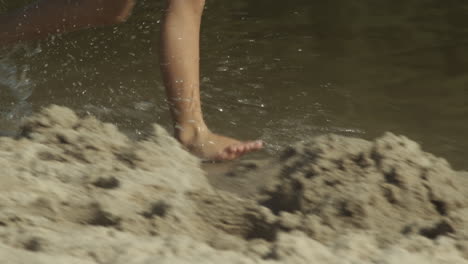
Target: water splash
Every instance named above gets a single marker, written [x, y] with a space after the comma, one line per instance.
[14, 76]
[18, 86]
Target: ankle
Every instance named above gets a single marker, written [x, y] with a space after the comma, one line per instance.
[188, 134]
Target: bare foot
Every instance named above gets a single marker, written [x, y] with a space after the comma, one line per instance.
[210, 146]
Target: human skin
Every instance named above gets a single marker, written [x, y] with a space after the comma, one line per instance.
[179, 47]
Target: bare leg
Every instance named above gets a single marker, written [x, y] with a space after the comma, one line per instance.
[180, 58]
[180, 66]
[47, 17]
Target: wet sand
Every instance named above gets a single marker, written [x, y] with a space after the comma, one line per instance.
[76, 190]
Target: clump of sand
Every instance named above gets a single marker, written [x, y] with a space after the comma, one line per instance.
[76, 190]
[388, 187]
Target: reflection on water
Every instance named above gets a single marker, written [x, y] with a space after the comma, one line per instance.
[282, 72]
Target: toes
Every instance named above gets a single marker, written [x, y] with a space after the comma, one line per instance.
[235, 151]
[246, 147]
[230, 149]
[257, 144]
[254, 145]
[230, 153]
[241, 148]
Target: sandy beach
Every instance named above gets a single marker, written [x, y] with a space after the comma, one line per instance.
[76, 190]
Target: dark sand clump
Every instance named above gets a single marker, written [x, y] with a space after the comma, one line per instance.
[76, 190]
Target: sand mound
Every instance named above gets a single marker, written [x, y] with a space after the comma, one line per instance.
[86, 172]
[82, 172]
[76, 190]
[388, 187]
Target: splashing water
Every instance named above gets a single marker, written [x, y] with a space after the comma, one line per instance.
[16, 80]
[13, 76]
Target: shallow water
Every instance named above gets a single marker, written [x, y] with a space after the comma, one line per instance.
[281, 72]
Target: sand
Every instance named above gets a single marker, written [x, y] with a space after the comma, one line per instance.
[76, 190]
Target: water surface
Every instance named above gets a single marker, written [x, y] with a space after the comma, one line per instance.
[276, 70]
